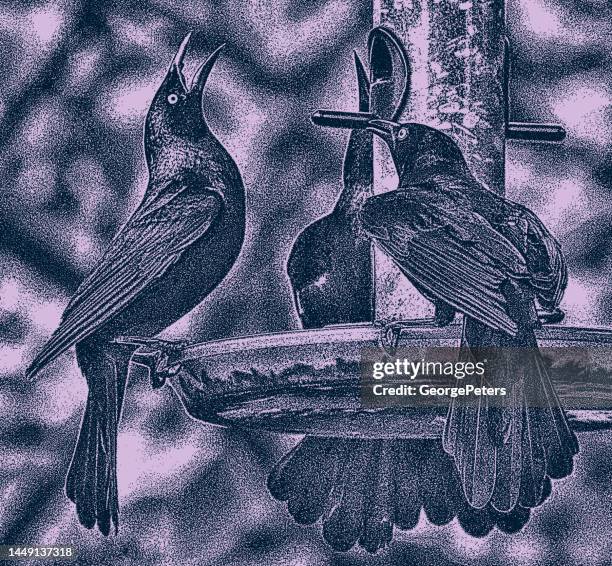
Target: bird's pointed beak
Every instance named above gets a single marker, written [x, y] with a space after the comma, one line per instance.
[177, 62]
[180, 54]
[201, 75]
[383, 128]
[363, 84]
[354, 120]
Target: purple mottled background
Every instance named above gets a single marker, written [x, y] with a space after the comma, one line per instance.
[76, 81]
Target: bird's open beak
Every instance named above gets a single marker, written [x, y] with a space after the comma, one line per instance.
[201, 75]
[177, 62]
[354, 120]
[383, 128]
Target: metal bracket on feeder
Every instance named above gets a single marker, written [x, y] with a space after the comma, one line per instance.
[525, 131]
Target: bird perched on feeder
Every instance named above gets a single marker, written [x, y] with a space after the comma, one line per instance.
[178, 245]
[330, 270]
[363, 488]
[470, 250]
[330, 264]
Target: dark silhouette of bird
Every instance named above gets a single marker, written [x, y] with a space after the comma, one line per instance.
[330, 264]
[178, 245]
[471, 250]
[330, 270]
[362, 489]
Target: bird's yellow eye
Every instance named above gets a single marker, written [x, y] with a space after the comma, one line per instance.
[401, 135]
[172, 98]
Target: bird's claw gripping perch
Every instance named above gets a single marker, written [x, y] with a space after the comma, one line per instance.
[391, 331]
[551, 317]
[389, 337]
[159, 357]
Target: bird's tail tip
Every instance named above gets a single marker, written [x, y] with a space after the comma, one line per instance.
[330, 479]
[34, 368]
[362, 490]
[507, 456]
[91, 482]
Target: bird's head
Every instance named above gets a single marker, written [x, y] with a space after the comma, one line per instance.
[417, 150]
[177, 109]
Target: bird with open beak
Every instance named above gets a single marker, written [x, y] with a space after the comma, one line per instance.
[178, 245]
[470, 250]
[329, 266]
[362, 489]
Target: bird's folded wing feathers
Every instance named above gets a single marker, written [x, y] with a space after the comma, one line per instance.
[542, 252]
[448, 250]
[545, 260]
[151, 241]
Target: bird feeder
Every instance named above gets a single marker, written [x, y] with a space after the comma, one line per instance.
[308, 381]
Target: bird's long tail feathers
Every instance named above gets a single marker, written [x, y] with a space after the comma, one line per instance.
[361, 489]
[506, 449]
[91, 482]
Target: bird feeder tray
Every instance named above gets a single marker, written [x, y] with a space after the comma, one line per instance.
[308, 382]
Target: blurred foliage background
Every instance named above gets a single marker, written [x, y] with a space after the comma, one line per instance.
[77, 79]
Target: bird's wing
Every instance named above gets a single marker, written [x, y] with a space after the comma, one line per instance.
[545, 260]
[447, 249]
[543, 254]
[151, 241]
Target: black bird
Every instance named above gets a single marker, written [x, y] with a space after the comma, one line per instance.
[362, 489]
[179, 244]
[330, 264]
[473, 251]
[330, 270]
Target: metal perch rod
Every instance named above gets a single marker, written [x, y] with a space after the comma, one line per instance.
[526, 131]
[535, 132]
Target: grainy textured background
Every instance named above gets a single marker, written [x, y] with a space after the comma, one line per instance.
[77, 78]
